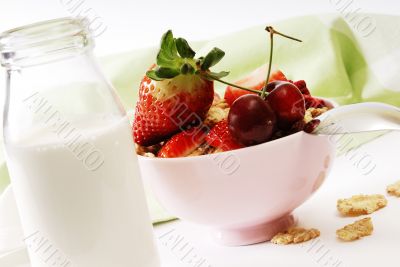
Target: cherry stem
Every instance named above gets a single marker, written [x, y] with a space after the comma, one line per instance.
[271, 50]
[237, 86]
[269, 29]
[262, 93]
[272, 31]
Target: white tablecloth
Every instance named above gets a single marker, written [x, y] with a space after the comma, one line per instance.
[179, 242]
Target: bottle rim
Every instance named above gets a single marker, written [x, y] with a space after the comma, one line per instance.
[44, 42]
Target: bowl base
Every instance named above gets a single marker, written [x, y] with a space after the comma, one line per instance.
[253, 234]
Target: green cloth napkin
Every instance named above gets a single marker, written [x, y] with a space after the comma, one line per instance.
[334, 59]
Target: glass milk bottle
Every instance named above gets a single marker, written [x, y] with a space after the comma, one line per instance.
[70, 152]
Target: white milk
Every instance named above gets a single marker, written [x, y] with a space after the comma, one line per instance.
[73, 216]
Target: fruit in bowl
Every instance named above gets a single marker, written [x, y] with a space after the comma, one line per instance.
[239, 164]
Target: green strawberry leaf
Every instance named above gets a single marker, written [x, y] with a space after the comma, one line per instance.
[168, 45]
[219, 75]
[184, 49]
[153, 75]
[167, 73]
[212, 58]
[176, 57]
[168, 55]
[187, 69]
[162, 73]
[211, 76]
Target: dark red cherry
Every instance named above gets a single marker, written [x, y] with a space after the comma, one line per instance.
[311, 126]
[288, 103]
[272, 85]
[251, 120]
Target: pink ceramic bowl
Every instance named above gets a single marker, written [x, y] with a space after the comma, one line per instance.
[247, 195]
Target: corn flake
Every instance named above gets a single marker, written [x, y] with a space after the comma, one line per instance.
[356, 230]
[394, 189]
[361, 204]
[295, 235]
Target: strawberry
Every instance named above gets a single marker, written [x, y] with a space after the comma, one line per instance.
[220, 137]
[310, 101]
[301, 84]
[175, 94]
[254, 80]
[164, 107]
[314, 102]
[183, 143]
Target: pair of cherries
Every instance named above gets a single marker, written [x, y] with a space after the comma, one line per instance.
[253, 118]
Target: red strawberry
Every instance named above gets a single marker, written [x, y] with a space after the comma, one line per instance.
[220, 137]
[310, 101]
[301, 84]
[314, 102]
[183, 143]
[255, 81]
[175, 94]
[166, 107]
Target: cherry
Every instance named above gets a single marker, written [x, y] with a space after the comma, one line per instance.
[251, 120]
[272, 85]
[288, 103]
[311, 126]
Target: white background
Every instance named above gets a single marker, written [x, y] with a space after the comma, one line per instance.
[138, 23]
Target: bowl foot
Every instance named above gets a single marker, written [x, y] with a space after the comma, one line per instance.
[253, 234]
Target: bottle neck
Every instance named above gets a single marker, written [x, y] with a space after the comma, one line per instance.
[44, 42]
